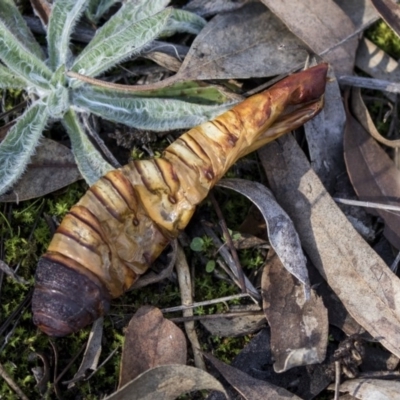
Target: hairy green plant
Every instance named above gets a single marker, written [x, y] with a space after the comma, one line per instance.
[54, 95]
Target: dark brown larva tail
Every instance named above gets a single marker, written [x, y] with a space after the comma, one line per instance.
[125, 220]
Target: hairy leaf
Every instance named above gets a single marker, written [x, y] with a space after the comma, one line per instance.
[143, 113]
[184, 21]
[18, 146]
[21, 61]
[10, 80]
[97, 8]
[64, 16]
[14, 21]
[90, 162]
[123, 35]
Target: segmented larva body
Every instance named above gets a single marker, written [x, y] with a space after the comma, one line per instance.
[126, 219]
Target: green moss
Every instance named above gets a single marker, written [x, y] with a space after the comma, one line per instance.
[384, 37]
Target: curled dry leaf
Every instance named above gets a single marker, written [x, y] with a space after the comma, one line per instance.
[92, 353]
[249, 387]
[368, 389]
[281, 232]
[373, 175]
[361, 113]
[299, 328]
[320, 24]
[167, 382]
[150, 341]
[224, 47]
[325, 135]
[51, 168]
[360, 278]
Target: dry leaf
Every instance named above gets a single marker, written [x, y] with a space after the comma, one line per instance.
[390, 12]
[150, 341]
[325, 136]
[281, 233]
[51, 168]
[299, 328]
[371, 389]
[361, 12]
[321, 24]
[239, 325]
[167, 382]
[256, 360]
[246, 43]
[360, 278]
[248, 387]
[373, 175]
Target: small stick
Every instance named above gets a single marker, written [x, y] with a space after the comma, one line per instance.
[205, 303]
[229, 241]
[368, 204]
[337, 379]
[10, 382]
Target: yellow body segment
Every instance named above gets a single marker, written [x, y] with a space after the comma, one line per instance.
[126, 219]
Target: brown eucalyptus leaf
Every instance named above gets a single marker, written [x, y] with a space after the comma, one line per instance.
[299, 328]
[361, 12]
[320, 24]
[359, 277]
[246, 43]
[51, 168]
[361, 113]
[42, 8]
[325, 136]
[373, 175]
[167, 382]
[281, 232]
[239, 325]
[369, 389]
[250, 388]
[390, 12]
[205, 8]
[150, 341]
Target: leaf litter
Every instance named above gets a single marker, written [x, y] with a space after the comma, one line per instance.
[253, 40]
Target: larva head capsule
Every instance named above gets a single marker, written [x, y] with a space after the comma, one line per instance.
[65, 300]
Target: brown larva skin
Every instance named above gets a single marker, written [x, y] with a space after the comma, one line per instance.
[126, 219]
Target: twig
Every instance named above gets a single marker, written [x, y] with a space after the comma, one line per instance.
[370, 83]
[395, 263]
[338, 371]
[235, 314]
[368, 204]
[184, 279]
[10, 382]
[229, 241]
[205, 303]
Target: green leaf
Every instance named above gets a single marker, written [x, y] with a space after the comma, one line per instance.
[197, 244]
[117, 40]
[90, 162]
[13, 19]
[144, 113]
[210, 266]
[19, 144]
[64, 16]
[21, 61]
[9, 80]
[184, 21]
